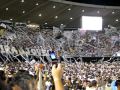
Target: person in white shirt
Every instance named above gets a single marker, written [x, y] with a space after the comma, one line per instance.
[48, 84]
[93, 85]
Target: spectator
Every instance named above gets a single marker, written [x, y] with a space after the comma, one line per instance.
[108, 84]
[48, 84]
[2, 80]
[57, 76]
[93, 85]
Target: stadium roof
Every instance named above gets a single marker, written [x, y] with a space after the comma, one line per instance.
[57, 12]
[99, 2]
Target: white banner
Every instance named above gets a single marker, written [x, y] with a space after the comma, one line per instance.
[27, 51]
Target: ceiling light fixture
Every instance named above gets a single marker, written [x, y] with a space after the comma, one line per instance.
[62, 24]
[37, 4]
[113, 12]
[83, 10]
[46, 23]
[98, 12]
[54, 6]
[71, 18]
[23, 12]
[56, 17]
[69, 9]
[40, 15]
[116, 20]
[11, 19]
[22, 1]
[6, 9]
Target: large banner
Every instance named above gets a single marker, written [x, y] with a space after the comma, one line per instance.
[26, 51]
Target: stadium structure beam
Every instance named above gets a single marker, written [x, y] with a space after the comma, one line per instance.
[86, 5]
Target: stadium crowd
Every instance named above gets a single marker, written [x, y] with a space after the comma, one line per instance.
[89, 44]
[64, 76]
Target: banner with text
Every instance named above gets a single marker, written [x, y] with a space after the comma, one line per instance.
[23, 51]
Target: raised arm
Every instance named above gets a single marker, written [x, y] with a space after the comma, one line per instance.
[57, 75]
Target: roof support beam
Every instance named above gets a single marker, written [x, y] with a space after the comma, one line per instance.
[86, 5]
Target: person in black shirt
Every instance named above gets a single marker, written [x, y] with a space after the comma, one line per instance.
[78, 85]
